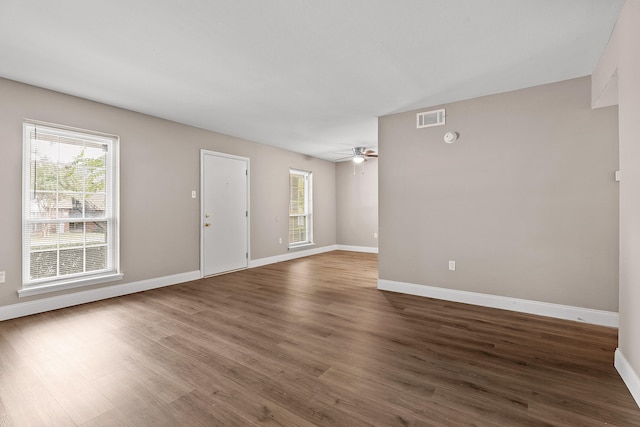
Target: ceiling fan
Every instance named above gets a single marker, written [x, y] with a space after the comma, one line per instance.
[360, 155]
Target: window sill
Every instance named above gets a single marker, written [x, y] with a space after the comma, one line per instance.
[301, 246]
[69, 284]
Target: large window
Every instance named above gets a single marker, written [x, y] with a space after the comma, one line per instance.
[300, 218]
[69, 208]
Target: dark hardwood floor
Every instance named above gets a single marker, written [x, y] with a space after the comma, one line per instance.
[301, 343]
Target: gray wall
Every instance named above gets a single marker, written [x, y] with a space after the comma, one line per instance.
[159, 166]
[357, 203]
[525, 201]
[619, 67]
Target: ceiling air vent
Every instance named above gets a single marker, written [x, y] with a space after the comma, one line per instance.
[430, 118]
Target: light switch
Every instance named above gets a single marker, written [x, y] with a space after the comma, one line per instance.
[1, 276]
[193, 194]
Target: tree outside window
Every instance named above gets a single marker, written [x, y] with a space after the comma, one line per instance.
[69, 213]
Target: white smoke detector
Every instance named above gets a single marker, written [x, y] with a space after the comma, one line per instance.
[450, 137]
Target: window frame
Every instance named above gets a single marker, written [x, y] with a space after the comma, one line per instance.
[308, 204]
[111, 272]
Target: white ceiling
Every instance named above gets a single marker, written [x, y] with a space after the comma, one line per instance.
[311, 76]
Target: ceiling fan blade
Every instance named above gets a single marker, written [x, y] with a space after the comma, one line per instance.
[370, 153]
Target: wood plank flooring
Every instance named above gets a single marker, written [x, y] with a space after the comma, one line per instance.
[309, 342]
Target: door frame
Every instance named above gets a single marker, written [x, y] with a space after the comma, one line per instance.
[203, 153]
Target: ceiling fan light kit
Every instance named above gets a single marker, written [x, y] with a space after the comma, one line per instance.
[360, 155]
[357, 159]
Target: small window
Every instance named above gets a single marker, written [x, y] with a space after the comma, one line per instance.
[300, 212]
[69, 207]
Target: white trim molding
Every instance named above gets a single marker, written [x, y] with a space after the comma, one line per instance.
[567, 312]
[53, 303]
[628, 374]
[366, 249]
[69, 284]
[289, 256]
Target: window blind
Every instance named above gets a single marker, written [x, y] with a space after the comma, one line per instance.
[69, 205]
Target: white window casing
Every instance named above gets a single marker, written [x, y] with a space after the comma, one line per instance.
[300, 208]
[70, 208]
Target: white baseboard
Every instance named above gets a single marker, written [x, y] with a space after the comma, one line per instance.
[586, 315]
[289, 256]
[366, 249]
[628, 374]
[53, 303]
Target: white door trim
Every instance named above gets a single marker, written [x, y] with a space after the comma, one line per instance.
[203, 153]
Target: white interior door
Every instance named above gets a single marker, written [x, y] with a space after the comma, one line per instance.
[225, 212]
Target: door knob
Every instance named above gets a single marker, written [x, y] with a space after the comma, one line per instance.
[206, 224]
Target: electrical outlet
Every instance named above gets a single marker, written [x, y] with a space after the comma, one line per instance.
[452, 265]
[1, 276]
